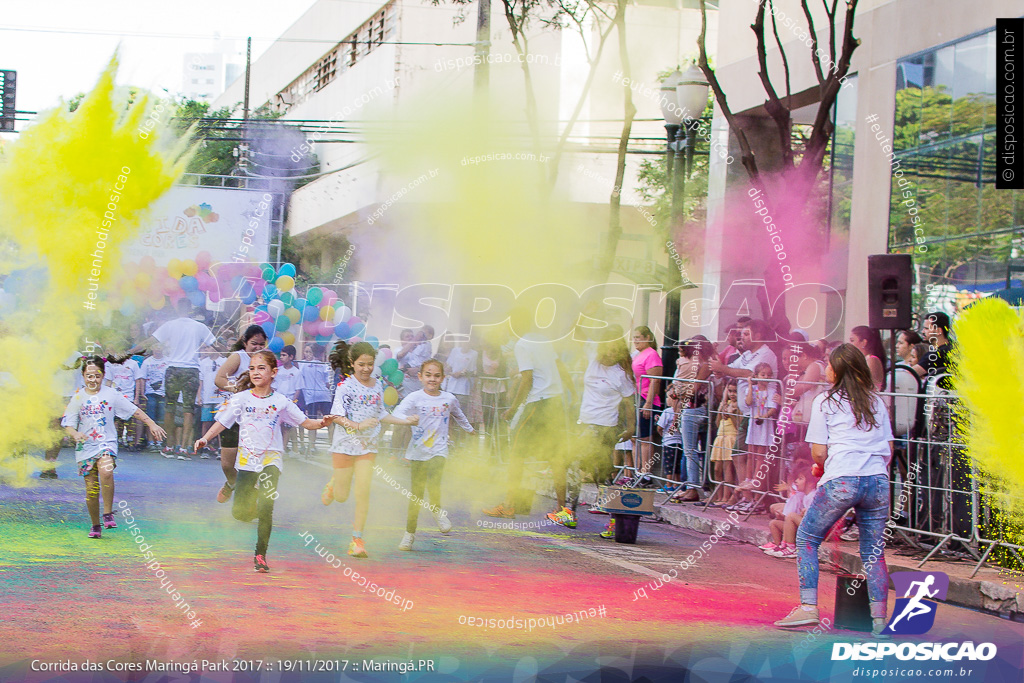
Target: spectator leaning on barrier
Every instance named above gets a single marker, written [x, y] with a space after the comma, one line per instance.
[754, 338]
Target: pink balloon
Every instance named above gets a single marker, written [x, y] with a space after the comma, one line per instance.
[206, 282]
[354, 320]
[326, 328]
[213, 295]
[203, 260]
[355, 340]
[258, 285]
[329, 300]
[261, 317]
[385, 354]
[312, 327]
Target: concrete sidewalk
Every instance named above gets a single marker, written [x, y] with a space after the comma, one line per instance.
[994, 590]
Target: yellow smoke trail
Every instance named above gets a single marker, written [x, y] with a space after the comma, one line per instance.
[989, 365]
[56, 184]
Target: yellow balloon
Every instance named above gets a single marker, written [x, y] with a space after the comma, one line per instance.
[285, 283]
[327, 313]
[287, 337]
[189, 267]
[390, 396]
[156, 303]
[293, 314]
[143, 280]
[174, 268]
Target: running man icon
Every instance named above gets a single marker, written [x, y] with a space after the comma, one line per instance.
[914, 613]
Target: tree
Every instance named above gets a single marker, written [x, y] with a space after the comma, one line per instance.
[801, 167]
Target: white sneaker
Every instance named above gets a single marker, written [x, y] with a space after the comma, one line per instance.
[407, 540]
[442, 521]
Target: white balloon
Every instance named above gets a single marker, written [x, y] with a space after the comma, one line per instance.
[342, 314]
[275, 308]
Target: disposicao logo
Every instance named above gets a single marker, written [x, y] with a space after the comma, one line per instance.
[914, 613]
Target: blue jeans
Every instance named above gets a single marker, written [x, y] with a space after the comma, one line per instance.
[869, 496]
[689, 426]
[155, 408]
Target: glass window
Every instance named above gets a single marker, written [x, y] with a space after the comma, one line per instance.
[937, 97]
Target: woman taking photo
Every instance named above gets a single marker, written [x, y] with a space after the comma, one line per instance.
[850, 436]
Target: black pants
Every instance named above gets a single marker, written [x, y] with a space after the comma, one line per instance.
[255, 494]
[426, 476]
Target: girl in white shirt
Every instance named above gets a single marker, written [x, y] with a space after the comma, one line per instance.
[89, 420]
[428, 448]
[359, 409]
[233, 376]
[260, 413]
[851, 437]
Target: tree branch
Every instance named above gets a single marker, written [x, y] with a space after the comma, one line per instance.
[746, 153]
[785, 60]
[773, 105]
[814, 42]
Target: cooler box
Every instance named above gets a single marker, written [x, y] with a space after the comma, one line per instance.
[619, 500]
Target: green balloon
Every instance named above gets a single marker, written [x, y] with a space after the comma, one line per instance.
[396, 378]
[315, 295]
[283, 323]
[389, 366]
[269, 274]
[287, 297]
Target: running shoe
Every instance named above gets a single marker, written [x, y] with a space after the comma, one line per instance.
[802, 615]
[259, 563]
[168, 452]
[768, 546]
[48, 474]
[224, 495]
[97, 531]
[407, 540]
[878, 628]
[327, 496]
[356, 548]
[784, 551]
[108, 521]
[203, 454]
[609, 531]
[595, 510]
[564, 516]
[443, 523]
[500, 511]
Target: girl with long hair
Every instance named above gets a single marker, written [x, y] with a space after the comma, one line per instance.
[869, 341]
[851, 439]
[233, 377]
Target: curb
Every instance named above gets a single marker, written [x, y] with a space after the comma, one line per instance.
[1002, 598]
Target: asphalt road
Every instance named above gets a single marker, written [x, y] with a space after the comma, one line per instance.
[67, 598]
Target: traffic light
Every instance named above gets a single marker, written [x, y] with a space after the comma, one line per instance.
[8, 83]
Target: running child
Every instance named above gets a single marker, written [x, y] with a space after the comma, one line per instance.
[232, 377]
[260, 412]
[428, 449]
[359, 409]
[89, 420]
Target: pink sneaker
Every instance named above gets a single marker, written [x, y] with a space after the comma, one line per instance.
[784, 551]
[97, 532]
[769, 546]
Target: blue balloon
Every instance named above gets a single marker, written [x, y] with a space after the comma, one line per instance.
[310, 313]
[276, 344]
[269, 292]
[286, 269]
[248, 297]
[321, 338]
[269, 328]
[128, 307]
[357, 330]
[197, 298]
[341, 329]
[372, 341]
[299, 303]
[261, 308]
[189, 283]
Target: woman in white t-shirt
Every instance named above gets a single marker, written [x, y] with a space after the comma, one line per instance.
[607, 383]
[89, 420]
[850, 436]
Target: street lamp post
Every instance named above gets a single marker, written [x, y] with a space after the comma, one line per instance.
[684, 96]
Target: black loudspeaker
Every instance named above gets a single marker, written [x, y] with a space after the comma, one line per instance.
[890, 278]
